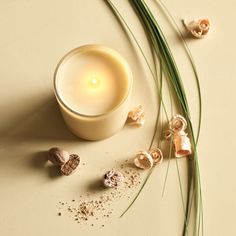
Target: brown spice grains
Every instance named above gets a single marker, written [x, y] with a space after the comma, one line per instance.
[82, 211]
[98, 207]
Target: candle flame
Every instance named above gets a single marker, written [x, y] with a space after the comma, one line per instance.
[94, 82]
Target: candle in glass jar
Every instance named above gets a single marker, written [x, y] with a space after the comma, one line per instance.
[93, 86]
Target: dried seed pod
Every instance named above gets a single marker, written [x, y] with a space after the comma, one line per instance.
[198, 27]
[136, 116]
[71, 165]
[178, 123]
[182, 145]
[157, 155]
[58, 156]
[143, 160]
[113, 178]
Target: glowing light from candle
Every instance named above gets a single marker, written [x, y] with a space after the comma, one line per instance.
[94, 82]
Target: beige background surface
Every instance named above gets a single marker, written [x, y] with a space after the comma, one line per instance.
[34, 36]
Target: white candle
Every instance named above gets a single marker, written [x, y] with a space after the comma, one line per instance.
[93, 86]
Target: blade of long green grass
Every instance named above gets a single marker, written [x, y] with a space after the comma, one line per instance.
[168, 165]
[158, 112]
[182, 196]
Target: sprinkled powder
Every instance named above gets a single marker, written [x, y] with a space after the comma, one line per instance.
[99, 207]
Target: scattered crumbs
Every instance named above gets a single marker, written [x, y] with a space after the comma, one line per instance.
[88, 206]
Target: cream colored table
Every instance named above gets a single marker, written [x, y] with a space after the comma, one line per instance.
[34, 35]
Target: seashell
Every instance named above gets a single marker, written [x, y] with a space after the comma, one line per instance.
[178, 123]
[143, 160]
[113, 178]
[198, 27]
[182, 145]
[136, 116]
[156, 155]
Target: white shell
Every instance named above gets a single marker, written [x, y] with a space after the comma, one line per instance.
[136, 116]
[198, 27]
[156, 155]
[143, 160]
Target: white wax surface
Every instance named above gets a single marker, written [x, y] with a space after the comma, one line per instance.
[92, 82]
